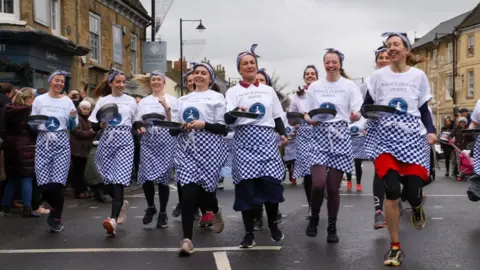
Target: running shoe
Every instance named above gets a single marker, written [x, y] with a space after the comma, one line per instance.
[359, 188]
[110, 226]
[177, 211]
[394, 257]
[248, 241]
[218, 224]
[206, 220]
[379, 220]
[312, 226]
[149, 214]
[122, 217]
[419, 217]
[258, 225]
[275, 232]
[186, 248]
[162, 220]
[349, 186]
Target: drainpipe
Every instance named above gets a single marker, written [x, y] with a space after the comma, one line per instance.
[454, 71]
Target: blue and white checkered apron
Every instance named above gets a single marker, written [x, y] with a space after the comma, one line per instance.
[114, 157]
[52, 157]
[256, 154]
[371, 138]
[358, 148]
[290, 150]
[199, 158]
[476, 156]
[399, 135]
[227, 167]
[332, 146]
[157, 149]
[303, 142]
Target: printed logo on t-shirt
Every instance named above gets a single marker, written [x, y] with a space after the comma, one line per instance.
[115, 121]
[328, 105]
[289, 130]
[399, 104]
[52, 124]
[257, 108]
[190, 114]
[354, 130]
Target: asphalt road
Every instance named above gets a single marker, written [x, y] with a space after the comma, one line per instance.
[450, 240]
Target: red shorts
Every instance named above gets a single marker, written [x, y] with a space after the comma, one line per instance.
[386, 162]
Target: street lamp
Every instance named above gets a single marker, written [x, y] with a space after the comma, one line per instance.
[200, 28]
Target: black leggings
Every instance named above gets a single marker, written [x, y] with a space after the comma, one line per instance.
[412, 187]
[358, 171]
[193, 196]
[116, 192]
[249, 216]
[307, 185]
[378, 192]
[163, 195]
[331, 179]
[53, 194]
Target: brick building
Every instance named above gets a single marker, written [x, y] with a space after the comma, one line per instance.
[83, 37]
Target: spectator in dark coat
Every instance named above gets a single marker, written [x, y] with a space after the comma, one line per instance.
[81, 143]
[447, 149]
[19, 150]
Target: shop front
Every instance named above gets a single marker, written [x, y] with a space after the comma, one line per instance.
[28, 57]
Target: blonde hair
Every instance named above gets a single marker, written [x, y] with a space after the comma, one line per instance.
[22, 95]
[90, 100]
[143, 81]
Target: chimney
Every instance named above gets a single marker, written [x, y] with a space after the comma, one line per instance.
[169, 66]
[416, 39]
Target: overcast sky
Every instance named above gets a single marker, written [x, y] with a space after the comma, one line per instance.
[294, 33]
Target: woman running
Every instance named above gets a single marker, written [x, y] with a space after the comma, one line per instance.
[258, 169]
[114, 157]
[298, 103]
[157, 146]
[201, 152]
[400, 155]
[52, 153]
[331, 145]
[357, 130]
[381, 60]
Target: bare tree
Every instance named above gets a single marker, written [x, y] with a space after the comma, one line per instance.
[279, 87]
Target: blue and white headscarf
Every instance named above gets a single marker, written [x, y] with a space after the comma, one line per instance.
[267, 78]
[55, 73]
[341, 56]
[250, 52]
[114, 72]
[213, 76]
[310, 66]
[401, 35]
[158, 73]
[380, 50]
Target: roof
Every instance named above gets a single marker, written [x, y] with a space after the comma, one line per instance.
[472, 19]
[441, 30]
[137, 5]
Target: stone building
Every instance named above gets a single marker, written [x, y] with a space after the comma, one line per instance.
[83, 37]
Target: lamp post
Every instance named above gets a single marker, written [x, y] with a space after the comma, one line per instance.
[200, 28]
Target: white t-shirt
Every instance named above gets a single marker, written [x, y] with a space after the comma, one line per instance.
[343, 95]
[475, 116]
[150, 104]
[406, 92]
[364, 87]
[298, 103]
[57, 109]
[207, 106]
[358, 126]
[262, 100]
[126, 110]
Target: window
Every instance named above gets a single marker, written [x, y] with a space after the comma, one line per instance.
[133, 56]
[434, 89]
[471, 45]
[95, 44]
[47, 13]
[450, 53]
[449, 86]
[117, 44]
[9, 10]
[471, 84]
[435, 58]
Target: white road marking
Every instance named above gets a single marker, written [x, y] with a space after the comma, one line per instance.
[232, 216]
[72, 206]
[92, 250]
[138, 216]
[341, 194]
[437, 218]
[221, 260]
[97, 217]
[306, 205]
[173, 187]
[284, 216]
[296, 261]
[133, 207]
[348, 206]
[93, 207]
[437, 206]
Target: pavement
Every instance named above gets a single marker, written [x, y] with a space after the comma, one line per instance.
[450, 240]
